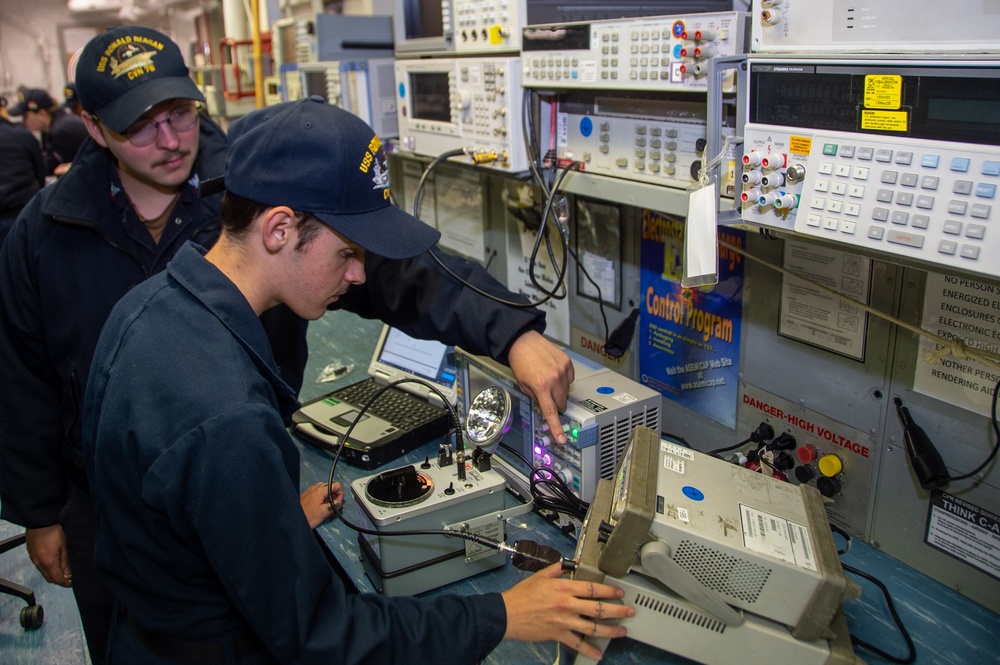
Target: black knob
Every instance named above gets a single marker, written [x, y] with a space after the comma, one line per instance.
[828, 486]
[784, 441]
[450, 489]
[804, 474]
[426, 464]
[783, 462]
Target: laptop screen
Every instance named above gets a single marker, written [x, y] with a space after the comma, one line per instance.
[427, 359]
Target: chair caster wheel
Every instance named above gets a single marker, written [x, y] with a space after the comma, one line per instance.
[32, 617]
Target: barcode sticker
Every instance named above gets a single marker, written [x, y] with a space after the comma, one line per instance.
[775, 536]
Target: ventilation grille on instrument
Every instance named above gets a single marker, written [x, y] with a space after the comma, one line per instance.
[615, 436]
[718, 571]
[386, 81]
[680, 613]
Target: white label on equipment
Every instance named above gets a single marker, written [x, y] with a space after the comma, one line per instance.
[682, 515]
[624, 398]
[775, 536]
[673, 464]
[674, 449]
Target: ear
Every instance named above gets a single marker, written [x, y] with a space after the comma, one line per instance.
[279, 228]
[94, 129]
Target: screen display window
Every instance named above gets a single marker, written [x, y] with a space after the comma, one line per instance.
[431, 96]
[944, 104]
[423, 18]
[432, 360]
[314, 83]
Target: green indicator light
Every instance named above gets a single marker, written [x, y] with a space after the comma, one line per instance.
[576, 432]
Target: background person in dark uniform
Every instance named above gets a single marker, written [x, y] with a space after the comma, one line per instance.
[61, 130]
[22, 172]
[80, 244]
[72, 99]
[120, 215]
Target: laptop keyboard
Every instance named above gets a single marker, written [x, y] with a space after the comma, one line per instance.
[396, 406]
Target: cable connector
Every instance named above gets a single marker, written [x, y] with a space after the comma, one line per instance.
[763, 432]
[620, 339]
[783, 441]
[531, 556]
[926, 461]
[480, 156]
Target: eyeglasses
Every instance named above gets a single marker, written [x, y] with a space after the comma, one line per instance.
[181, 119]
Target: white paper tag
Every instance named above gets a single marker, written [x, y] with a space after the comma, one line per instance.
[701, 239]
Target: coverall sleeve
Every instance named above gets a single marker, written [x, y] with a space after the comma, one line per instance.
[422, 299]
[32, 474]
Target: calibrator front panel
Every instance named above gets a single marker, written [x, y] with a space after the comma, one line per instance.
[895, 156]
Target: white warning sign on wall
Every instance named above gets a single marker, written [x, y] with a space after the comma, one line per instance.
[956, 307]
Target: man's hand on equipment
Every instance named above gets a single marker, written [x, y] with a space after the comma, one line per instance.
[547, 606]
[544, 372]
[316, 502]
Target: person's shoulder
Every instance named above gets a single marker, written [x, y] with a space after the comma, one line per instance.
[26, 138]
[212, 149]
[139, 295]
[211, 133]
[16, 129]
[132, 314]
[69, 123]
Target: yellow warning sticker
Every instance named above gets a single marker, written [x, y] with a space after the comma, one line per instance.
[885, 121]
[496, 35]
[883, 91]
[800, 145]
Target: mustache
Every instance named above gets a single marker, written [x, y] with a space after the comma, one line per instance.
[176, 154]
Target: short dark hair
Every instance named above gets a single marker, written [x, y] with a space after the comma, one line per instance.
[238, 214]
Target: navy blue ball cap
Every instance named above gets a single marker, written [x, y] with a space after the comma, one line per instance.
[126, 70]
[321, 159]
[32, 99]
[70, 94]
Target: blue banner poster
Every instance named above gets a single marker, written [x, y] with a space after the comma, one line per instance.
[689, 339]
